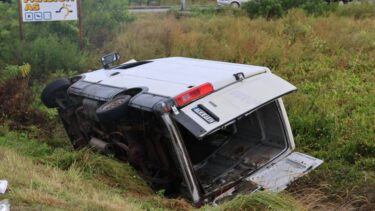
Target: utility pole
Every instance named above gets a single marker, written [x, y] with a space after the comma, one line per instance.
[80, 15]
[183, 5]
[20, 21]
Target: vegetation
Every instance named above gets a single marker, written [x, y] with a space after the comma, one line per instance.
[328, 57]
[278, 8]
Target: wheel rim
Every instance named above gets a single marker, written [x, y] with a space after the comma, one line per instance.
[113, 104]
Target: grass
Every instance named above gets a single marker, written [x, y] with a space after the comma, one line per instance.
[261, 201]
[41, 177]
[45, 178]
[42, 187]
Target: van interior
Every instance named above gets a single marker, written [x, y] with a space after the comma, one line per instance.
[237, 149]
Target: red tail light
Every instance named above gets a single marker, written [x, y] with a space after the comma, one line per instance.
[193, 94]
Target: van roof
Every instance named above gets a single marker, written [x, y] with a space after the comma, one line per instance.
[174, 75]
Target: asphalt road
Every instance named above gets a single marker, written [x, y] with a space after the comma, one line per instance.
[149, 9]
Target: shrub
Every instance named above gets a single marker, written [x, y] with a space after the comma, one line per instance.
[14, 95]
[264, 8]
[317, 7]
[295, 28]
[49, 54]
[9, 40]
[277, 8]
[102, 19]
[359, 11]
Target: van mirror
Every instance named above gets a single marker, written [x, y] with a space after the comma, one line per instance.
[108, 59]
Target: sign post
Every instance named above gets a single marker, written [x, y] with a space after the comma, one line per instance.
[20, 22]
[43, 11]
[80, 24]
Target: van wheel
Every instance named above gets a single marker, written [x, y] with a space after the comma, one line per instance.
[113, 109]
[235, 5]
[54, 90]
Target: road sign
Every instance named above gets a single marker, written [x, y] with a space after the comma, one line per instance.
[52, 10]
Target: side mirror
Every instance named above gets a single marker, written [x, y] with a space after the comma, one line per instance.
[108, 59]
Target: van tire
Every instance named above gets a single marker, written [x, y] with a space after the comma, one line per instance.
[54, 90]
[113, 109]
[235, 5]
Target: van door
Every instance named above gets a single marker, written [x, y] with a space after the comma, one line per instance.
[278, 175]
[229, 103]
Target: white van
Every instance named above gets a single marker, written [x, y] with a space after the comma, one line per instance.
[203, 129]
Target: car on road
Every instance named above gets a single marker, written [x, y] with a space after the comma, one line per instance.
[232, 3]
[206, 130]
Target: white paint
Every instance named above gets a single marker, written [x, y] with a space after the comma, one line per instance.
[4, 205]
[3, 186]
[239, 98]
[172, 76]
[58, 10]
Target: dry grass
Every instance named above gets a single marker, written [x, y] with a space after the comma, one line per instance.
[32, 185]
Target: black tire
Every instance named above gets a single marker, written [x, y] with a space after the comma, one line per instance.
[235, 5]
[53, 91]
[113, 109]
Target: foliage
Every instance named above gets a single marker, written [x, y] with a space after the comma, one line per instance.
[360, 10]
[14, 95]
[9, 40]
[102, 19]
[46, 56]
[14, 71]
[53, 46]
[277, 8]
[266, 8]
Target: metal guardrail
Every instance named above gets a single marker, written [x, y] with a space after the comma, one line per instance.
[144, 2]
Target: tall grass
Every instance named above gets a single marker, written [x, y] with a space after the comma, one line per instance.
[262, 201]
[45, 178]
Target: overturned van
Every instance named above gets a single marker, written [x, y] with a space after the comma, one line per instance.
[203, 129]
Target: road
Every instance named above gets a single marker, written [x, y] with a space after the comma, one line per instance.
[149, 9]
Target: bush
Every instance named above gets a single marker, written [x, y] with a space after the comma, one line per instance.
[264, 8]
[49, 54]
[362, 10]
[277, 8]
[9, 40]
[317, 7]
[14, 95]
[102, 19]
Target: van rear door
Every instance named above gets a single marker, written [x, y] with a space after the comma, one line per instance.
[278, 175]
[229, 103]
